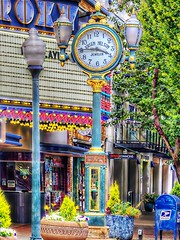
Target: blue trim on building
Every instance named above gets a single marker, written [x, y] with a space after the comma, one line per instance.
[62, 148]
[13, 139]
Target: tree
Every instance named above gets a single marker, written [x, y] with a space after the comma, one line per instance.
[153, 86]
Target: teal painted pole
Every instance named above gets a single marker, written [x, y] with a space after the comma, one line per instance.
[36, 198]
[96, 160]
[96, 127]
[96, 85]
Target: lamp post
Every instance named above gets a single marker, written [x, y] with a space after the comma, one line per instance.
[34, 53]
[97, 49]
[133, 34]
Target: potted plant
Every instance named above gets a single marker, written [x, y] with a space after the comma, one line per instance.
[120, 215]
[5, 219]
[149, 201]
[64, 223]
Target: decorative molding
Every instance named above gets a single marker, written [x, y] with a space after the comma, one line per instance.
[96, 85]
[95, 159]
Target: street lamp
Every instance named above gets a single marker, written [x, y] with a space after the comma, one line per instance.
[133, 33]
[34, 53]
[97, 49]
[63, 32]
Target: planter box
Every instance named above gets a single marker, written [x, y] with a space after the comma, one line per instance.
[62, 230]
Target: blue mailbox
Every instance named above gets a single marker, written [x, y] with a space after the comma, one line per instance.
[167, 214]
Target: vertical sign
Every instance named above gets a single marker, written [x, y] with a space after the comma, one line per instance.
[2, 130]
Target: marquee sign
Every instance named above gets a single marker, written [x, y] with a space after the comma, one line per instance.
[22, 14]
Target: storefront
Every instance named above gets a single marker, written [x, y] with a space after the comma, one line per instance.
[62, 171]
[57, 171]
[65, 109]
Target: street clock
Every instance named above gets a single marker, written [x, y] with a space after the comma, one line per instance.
[97, 48]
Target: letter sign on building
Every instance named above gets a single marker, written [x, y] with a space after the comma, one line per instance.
[20, 14]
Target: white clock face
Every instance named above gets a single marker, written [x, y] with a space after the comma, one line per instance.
[96, 49]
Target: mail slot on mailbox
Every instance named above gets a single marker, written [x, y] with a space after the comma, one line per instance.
[167, 215]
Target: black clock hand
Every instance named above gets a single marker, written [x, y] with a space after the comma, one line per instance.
[92, 49]
[85, 49]
[102, 50]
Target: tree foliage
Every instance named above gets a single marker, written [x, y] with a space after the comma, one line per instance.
[5, 218]
[153, 86]
[176, 189]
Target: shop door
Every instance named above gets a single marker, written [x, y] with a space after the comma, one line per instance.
[79, 183]
[55, 181]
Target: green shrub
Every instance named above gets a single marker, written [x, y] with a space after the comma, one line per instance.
[5, 218]
[114, 198]
[176, 189]
[116, 207]
[150, 197]
[125, 209]
[68, 209]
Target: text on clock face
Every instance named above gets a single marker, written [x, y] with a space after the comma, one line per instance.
[88, 45]
[85, 45]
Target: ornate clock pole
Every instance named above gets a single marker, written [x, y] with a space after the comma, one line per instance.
[96, 164]
[97, 49]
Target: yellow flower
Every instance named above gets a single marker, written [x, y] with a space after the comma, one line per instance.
[46, 207]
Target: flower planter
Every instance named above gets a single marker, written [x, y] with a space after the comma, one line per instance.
[121, 227]
[63, 230]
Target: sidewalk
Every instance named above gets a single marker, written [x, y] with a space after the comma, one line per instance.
[145, 223]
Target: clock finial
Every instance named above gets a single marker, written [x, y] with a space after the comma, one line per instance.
[63, 10]
[98, 6]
